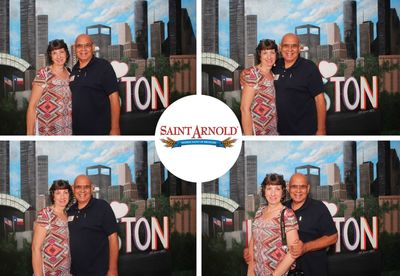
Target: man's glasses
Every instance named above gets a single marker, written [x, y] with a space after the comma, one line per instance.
[83, 46]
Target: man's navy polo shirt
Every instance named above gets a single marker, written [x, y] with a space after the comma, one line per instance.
[89, 229]
[91, 87]
[295, 89]
[314, 221]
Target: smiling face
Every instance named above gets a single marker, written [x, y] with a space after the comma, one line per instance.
[290, 49]
[299, 188]
[267, 58]
[84, 48]
[83, 189]
[273, 194]
[61, 198]
[59, 57]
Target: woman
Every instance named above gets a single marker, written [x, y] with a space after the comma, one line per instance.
[258, 96]
[50, 244]
[49, 110]
[268, 256]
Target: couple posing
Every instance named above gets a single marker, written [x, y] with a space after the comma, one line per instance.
[305, 224]
[297, 107]
[80, 241]
[83, 101]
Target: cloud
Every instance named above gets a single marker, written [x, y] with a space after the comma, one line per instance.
[86, 15]
[322, 11]
[114, 10]
[269, 10]
[113, 150]
[60, 151]
[323, 150]
[295, 15]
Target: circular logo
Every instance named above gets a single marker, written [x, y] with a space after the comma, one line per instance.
[198, 138]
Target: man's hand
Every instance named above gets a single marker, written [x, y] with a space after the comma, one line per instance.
[297, 249]
[246, 255]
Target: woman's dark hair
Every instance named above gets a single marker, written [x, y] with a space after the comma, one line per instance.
[265, 44]
[55, 45]
[61, 185]
[273, 179]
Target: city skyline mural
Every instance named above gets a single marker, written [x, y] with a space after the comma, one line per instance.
[68, 159]
[274, 19]
[283, 157]
[68, 19]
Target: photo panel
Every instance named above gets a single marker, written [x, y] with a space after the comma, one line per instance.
[357, 183]
[155, 210]
[151, 46]
[348, 65]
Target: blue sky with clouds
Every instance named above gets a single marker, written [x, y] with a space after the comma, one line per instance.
[275, 18]
[283, 156]
[67, 159]
[69, 18]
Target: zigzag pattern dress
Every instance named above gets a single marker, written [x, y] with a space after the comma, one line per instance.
[54, 110]
[267, 240]
[55, 250]
[263, 107]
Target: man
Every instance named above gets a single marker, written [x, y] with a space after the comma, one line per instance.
[95, 99]
[93, 233]
[300, 102]
[317, 230]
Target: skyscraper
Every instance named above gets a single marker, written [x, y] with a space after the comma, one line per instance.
[124, 174]
[188, 46]
[394, 32]
[157, 178]
[28, 31]
[251, 175]
[101, 37]
[384, 167]
[141, 28]
[237, 31]
[350, 168]
[211, 187]
[174, 28]
[42, 174]
[237, 180]
[350, 27]
[366, 178]
[157, 36]
[210, 26]
[141, 179]
[28, 171]
[394, 173]
[5, 167]
[5, 26]
[383, 29]
[333, 33]
[366, 37]
[124, 33]
[333, 173]
[309, 36]
[42, 33]
[251, 34]
[101, 177]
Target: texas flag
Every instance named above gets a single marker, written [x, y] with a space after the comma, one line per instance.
[228, 81]
[227, 221]
[18, 221]
[18, 81]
